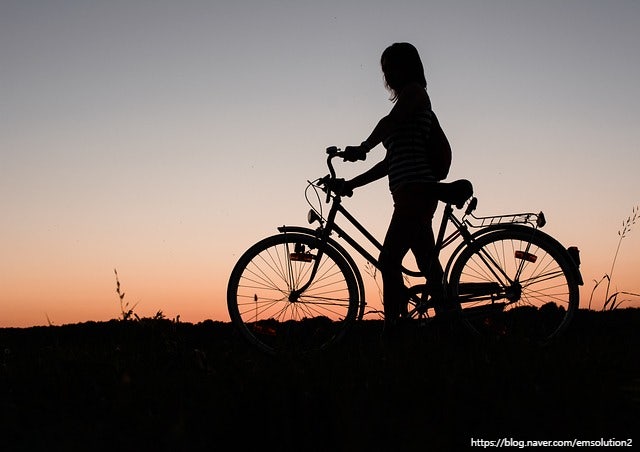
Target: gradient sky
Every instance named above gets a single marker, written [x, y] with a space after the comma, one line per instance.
[162, 138]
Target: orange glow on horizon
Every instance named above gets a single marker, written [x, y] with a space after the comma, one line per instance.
[166, 155]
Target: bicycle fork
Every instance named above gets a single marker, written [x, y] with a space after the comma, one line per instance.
[300, 254]
[303, 255]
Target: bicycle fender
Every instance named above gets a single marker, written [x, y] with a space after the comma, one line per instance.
[500, 227]
[570, 258]
[485, 230]
[343, 252]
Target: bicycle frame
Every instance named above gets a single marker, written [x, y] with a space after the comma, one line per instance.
[329, 225]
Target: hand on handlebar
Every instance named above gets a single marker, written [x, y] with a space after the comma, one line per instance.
[340, 187]
[354, 153]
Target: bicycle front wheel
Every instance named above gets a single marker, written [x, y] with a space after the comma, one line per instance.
[516, 282]
[267, 305]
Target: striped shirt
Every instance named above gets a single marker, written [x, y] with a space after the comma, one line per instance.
[407, 151]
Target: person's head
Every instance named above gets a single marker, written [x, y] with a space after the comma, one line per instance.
[401, 66]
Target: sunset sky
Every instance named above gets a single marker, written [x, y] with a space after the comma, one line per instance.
[163, 138]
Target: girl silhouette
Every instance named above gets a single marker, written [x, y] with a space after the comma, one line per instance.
[407, 133]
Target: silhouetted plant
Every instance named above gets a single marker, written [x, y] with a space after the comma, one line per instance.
[159, 315]
[126, 311]
[611, 300]
[372, 271]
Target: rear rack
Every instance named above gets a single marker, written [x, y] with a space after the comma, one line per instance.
[532, 219]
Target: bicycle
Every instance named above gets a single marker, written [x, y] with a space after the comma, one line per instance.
[301, 290]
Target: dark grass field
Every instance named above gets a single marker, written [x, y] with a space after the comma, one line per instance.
[158, 385]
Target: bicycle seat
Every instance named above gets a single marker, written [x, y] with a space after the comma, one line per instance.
[456, 192]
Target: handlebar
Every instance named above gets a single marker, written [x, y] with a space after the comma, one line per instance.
[332, 152]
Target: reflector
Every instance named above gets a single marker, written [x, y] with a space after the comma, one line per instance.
[301, 257]
[526, 256]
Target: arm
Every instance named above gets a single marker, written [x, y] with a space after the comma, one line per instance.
[378, 171]
[411, 99]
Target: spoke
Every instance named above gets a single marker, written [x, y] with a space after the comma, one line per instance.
[255, 311]
[536, 279]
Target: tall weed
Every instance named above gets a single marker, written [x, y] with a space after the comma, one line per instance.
[612, 301]
[126, 310]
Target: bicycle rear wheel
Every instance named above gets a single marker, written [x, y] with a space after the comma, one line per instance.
[265, 302]
[516, 282]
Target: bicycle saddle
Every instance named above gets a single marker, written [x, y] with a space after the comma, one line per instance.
[456, 192]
